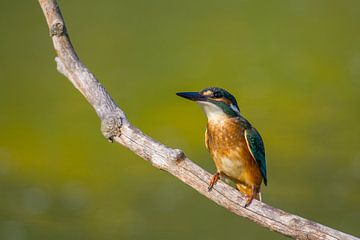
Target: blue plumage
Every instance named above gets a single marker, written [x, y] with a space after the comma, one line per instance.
[256, 147]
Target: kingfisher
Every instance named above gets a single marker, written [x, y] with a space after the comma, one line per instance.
[233, 143]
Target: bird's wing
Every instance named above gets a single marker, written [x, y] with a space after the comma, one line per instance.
[257, 150]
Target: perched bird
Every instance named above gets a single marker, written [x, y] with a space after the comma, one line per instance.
[234, 144]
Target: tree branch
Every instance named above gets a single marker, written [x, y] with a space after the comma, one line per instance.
[116, 127]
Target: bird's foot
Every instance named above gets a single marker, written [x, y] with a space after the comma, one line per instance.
[213, 180]
[251, 197]
[248, 201]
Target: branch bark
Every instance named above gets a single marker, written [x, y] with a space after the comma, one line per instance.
[116, 127]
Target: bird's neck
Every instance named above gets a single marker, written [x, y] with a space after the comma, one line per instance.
[213, 112]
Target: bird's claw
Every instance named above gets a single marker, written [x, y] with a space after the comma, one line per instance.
[248, 201]
[213, 181]
[251, 197]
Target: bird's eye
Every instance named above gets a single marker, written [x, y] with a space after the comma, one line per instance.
[217, 95]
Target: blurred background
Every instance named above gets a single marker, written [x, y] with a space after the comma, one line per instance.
[294, 67]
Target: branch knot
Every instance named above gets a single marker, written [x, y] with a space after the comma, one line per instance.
[57, 29]
[111, 126]
[178, 155]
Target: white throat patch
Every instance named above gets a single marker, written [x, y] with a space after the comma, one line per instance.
[212, 111]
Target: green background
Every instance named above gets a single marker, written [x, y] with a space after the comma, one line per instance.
[294, 67]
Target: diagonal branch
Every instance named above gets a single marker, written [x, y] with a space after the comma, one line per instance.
[116, 127]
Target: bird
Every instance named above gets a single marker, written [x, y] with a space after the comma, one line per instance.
[235, 146]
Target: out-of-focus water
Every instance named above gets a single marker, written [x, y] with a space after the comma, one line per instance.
[294, 67]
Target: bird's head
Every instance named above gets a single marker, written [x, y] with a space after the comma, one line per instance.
[216, 102]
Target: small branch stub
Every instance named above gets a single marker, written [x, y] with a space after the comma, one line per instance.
[111, 127]
[179, 155]
[57, 29]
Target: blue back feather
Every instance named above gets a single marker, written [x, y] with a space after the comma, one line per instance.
[256, 147]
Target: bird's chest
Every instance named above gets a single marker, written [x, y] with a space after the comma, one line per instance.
[227, 145]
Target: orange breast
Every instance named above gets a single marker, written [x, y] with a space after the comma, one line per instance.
[226, 143]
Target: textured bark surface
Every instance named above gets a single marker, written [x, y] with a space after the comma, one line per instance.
[116, 127]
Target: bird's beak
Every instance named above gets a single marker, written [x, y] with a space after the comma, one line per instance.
[194, 96]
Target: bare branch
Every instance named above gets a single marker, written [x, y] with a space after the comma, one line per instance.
[116, 127]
